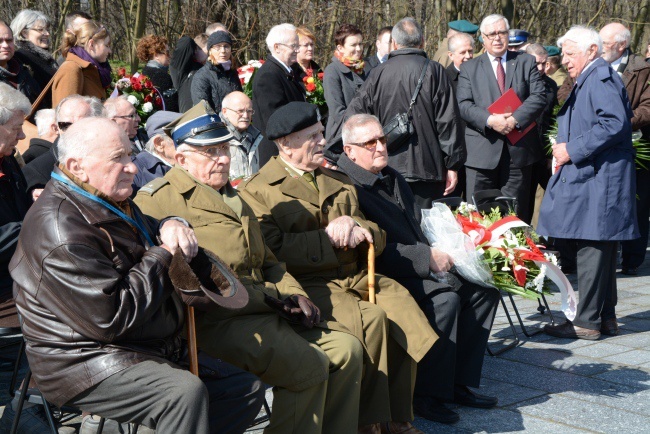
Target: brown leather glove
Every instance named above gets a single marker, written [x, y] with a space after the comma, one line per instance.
[296, 309]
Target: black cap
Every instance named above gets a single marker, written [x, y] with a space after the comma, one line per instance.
[218, 38]
[295, 116]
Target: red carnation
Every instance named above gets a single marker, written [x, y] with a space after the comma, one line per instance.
[121, 72]
[148, 98]
[321, 75]
[137, 87]
[148, 84]
[310, 87]
[133, 80]
[158, 102]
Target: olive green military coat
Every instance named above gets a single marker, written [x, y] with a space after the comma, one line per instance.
[293, 217]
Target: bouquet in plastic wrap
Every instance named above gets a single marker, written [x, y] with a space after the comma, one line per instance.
[495, 251]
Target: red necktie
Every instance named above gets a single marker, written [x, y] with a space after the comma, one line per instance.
[501, 75]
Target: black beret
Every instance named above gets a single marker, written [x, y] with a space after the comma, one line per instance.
[295, 116]
[218, 38]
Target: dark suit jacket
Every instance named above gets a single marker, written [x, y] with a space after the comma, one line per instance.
[478, 89]
[273, 87]
[453, 74]
[370, 62]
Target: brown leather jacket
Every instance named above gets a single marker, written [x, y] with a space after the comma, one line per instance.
[93, 301]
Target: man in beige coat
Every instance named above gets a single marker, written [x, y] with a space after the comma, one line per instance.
[310, 219]
[316, 370]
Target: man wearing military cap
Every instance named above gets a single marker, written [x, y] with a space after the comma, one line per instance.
[310, 219]
[455, 27]
[554, 68]
[315, 369]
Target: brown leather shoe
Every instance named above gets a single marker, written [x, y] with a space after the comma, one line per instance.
[373, 428]
[609, 327]
[570, 331]
[399, 428]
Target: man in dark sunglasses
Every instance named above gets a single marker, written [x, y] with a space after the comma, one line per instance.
[70, 110]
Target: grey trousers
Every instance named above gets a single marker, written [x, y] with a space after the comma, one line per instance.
[164, 397]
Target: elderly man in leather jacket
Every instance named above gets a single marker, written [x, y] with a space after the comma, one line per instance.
[100, 317]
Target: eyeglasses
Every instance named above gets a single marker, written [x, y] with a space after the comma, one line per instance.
[212, 152]
[492, 36]
[294, 47]
[241, 112]
[371, 144]
[63, 125]
[221, 47]
[41, 30]
[132, 117]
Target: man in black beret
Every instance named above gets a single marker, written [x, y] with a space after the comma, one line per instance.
[315, 367]
[310, 219]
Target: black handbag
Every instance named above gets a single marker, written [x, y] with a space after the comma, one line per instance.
[400, 129]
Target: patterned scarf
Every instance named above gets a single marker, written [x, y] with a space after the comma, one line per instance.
[354, 65]
[104, 68]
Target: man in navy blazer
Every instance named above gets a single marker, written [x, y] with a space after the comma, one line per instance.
[275, 84]
[591, 196]
[492, 161]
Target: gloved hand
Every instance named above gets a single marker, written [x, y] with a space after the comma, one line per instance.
[296, 309]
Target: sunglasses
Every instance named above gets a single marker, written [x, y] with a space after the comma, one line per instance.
[371, 144]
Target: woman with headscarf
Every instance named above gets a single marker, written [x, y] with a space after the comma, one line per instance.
[155, 51]
[32, 37]
[217, 78]
[343, 77]
[86, 70]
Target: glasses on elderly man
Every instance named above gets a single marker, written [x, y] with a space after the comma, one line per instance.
[213, 152]
[241, 112]
[371, 144]
[492, 36]
[63, 125]
[294, 47]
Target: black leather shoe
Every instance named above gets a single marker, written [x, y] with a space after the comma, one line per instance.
[609, 327]
[463, 395]
[434, 410]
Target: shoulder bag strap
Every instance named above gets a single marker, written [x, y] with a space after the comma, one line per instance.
[38, 101]
[417, 88]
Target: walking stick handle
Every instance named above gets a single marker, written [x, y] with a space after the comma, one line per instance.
[191, 341]
[371, 274]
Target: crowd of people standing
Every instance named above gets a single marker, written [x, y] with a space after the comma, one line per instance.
[267, 207]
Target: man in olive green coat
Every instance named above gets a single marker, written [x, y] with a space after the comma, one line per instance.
[311, 220]
[316, 370]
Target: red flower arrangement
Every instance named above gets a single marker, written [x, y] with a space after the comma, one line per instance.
[140, 92]
[314, 87]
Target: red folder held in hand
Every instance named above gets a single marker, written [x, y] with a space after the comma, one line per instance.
[508, 103]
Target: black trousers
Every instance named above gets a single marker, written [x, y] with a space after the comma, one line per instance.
[164, 397]
[634, 250]
[596, 282]
[512, 181]
[462, 317]
[426, 192]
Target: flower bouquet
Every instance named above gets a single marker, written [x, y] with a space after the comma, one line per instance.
[140, 92]
[314, 87]
[246, 74]
[495, 251]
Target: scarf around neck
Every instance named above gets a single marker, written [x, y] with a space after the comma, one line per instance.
[354, 65]
[104, 68]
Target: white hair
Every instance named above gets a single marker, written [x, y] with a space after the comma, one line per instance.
[623, 36]
[44, 120]
[150, 145]
[356, 121]
[12, 101]
[96, 107]
[491, 19]
[584, 37]
[278, 35]
[111, 105]
[457, 39]
[26, 19]
[83, 136]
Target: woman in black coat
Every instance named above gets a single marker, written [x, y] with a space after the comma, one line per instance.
[343, 78]
[155, 51]
[217, 78]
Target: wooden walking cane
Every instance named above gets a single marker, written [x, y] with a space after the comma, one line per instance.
[371, 273]
[192, 351]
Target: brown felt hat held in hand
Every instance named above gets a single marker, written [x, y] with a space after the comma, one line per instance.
[206, 283]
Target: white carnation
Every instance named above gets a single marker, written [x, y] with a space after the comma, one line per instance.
[133, 100]
[147, 107]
